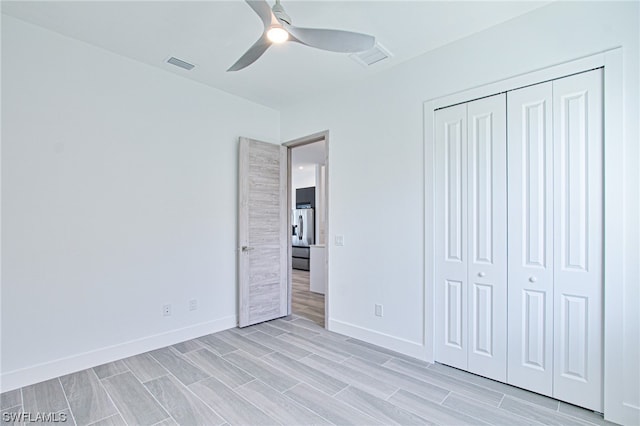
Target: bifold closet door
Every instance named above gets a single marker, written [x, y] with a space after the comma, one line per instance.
[471, 295]
[530, 238]
[451, 286]
[555, 238]
[578, 236]
[487, 236]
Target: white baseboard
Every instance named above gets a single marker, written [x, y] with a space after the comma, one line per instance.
[403, 346]
[27, 376]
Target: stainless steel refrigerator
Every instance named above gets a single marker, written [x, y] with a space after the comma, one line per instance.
[302, 236]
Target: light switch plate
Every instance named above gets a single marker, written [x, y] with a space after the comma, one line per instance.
[339, 240]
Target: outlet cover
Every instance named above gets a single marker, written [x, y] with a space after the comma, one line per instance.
[193, 304]
[166, 310]
[378, 310]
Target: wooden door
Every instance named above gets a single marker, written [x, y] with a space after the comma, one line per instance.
[487, 237]
[578, 237]
[262, 232]
[530, 238]
[451, 236]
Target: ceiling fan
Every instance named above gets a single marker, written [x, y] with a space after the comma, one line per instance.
[278, 29]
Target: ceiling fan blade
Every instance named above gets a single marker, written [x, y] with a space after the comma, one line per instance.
[332, 40]
[251, 55]
[262, 9]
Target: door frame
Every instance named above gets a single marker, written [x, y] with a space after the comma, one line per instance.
[306, 140]
[614, 233]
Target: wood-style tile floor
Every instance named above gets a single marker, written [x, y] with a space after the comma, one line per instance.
[287, 371]
[304, 302]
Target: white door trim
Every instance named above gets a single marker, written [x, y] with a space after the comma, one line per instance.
[615, 408]
[306, 140]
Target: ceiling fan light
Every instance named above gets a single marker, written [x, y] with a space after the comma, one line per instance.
[277, 35]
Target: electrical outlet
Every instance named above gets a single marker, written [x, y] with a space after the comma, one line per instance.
[339, 240]
[193, 304]
[378, 310]
[166, 310]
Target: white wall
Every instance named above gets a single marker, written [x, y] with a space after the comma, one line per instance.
[118, 196]
[376, 163]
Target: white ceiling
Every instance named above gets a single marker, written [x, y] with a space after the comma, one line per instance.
[214, 34]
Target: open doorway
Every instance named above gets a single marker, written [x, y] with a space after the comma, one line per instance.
[308, 222]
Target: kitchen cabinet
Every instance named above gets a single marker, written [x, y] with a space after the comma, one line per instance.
[317, 273]
[301, 258]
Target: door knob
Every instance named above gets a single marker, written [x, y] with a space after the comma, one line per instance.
[481, 274]
[532, 279]
[245, 248]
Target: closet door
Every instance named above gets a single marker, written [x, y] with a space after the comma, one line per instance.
[530, 238]
[578, 205]
[471, 294]
[451, 236]
[487, 237]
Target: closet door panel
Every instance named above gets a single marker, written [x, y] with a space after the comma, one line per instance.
[530, 238]
[451, 236]
[487, 236]
[534, 319]
[578, 254]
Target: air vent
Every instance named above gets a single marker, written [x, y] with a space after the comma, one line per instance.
[372, 56]
[180, 63]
